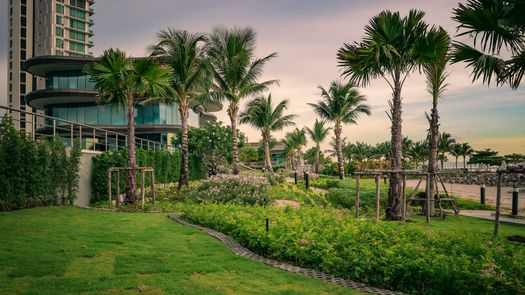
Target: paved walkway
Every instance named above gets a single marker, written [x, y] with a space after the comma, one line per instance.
[241, 251]
[489, 215]
[472, 191]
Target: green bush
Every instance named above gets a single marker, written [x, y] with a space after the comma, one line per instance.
[35, 173]
[166, 165]
[288, 191]
[235, 189]
[390, 255]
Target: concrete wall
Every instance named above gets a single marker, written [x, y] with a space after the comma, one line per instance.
[84, 184]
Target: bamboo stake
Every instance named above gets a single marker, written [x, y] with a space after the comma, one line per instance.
[428, 199]
[142, 189]
[357, 178]
[118, 188]
[404, 200]
[378, 196]
[109, 188]
[498, 205]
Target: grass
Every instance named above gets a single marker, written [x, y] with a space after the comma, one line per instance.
[65, 250]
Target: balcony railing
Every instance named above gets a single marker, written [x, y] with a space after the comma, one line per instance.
[40, 126]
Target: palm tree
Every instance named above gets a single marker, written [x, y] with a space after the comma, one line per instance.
[341, 104]
[123, 82]
[499, 23]
[318, 134]
[393, 47]
[466, 150]
[294, 142]
[261, 114]
[417, 152]
[455, 151]
[436, 76]
[383, 150]
[445, 144]
[185, 53]
[236, 72]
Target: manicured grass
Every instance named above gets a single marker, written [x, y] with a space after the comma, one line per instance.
[66, 250]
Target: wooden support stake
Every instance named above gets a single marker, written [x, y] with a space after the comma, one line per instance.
[118, 188]
[142, 189]
[438, 197]
[404, 196]
[357, 178]
[428, 199]
[456, 210]
[498, 205]
[415, 189]
[153, 185]
[378, 195]
[109, 188]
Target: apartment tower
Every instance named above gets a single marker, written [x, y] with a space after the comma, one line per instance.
[43, 27]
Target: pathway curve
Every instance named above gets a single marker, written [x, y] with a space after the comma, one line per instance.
[244, 252]
[489, 215]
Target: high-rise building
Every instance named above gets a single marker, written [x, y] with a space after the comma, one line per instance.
[43, 27]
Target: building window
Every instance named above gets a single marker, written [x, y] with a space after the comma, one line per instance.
[59, 20]
[23, 21]
[22, 54]
[77, 25]
[59, 32]
[59, 43]
[23, 43]
[60, 9]
[23, 31]
[76, 47]
[22, 88]
[77, 36]
[77, 13]
[22, 76]
[78, 3]
[58, 52]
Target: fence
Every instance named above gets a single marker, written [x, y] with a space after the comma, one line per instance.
[40, 126]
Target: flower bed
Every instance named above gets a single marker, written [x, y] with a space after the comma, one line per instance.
[390, 255]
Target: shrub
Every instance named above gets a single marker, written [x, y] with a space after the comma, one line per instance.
[390, 255]
[235, 189]
[288, 191]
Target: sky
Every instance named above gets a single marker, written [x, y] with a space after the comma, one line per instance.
[306, 35]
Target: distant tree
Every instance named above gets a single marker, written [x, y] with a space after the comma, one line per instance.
[261, 114]
[487, 157]
[248, 153]
[514, 159]
[417, 152]
[293, 143]
[466, 151]
[318, 134]
[341, 104]
[444, 145]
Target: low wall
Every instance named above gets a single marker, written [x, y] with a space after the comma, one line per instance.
[489, 179]
[84, 184]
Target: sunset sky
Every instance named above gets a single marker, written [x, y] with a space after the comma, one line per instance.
[307, 35]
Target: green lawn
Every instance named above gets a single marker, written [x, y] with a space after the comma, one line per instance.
[64, 250]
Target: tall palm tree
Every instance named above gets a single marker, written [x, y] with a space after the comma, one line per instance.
[341, 104]
[123, 82]
[236, 72]
[417, 152]
[393, 47]
[294, 142]
[185, 53]
[466, 150]
[261, 114]
[318, 134]
[456, 150]
[493, 24]
[444, 146]
[436, 76]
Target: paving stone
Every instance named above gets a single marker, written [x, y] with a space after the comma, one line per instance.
[242, 251]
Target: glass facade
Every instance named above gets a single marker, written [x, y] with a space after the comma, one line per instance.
[91, 114]
[68, 80]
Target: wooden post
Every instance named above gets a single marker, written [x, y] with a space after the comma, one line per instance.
[357, 177]
[404, 196]
[153, 185]
[498, 204]
[378, 195]
[441, 213]
[428, 199]
[142, 189]
[109, 188]
[118, 187]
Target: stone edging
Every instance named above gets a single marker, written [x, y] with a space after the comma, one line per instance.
[244, 252]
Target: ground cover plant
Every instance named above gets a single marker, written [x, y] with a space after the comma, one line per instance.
[66, 250]
[408, 257]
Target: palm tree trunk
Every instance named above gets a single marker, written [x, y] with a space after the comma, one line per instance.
[267, 158]
[393, 209]
[457, 164]
[433, 155]
[184, 165]
[317, 156]
[442, 161]
[232, 112]
[339, 150]
[464, 163]
[132, 163]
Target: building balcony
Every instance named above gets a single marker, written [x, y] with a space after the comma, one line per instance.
[91, 11]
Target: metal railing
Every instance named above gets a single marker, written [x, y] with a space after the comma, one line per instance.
[39, 126]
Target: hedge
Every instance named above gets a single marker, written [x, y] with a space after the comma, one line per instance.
[166, 165]
[35, 173]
